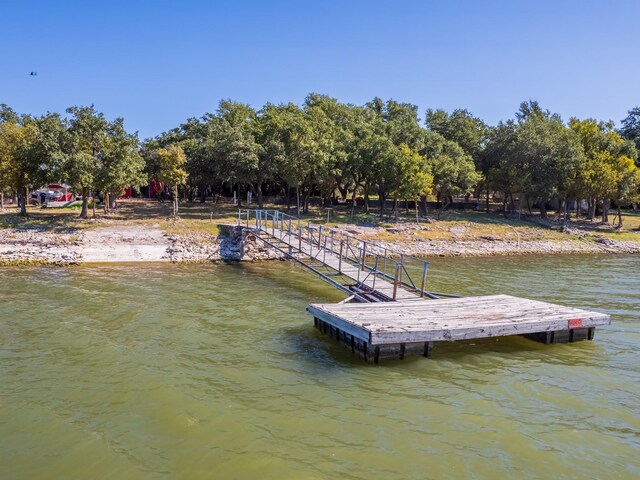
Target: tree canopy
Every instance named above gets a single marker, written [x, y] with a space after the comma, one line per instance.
[330, 149]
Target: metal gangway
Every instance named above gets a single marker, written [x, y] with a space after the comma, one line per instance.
[366, 271]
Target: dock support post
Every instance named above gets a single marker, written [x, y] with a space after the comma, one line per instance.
[375, 272]
[340, 257]
[376, 354]
[591, 333]
[428, 347]
[364, 252]
[395, 281]
[424, 279]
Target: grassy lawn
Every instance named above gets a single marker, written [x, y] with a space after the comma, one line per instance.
[198, 218]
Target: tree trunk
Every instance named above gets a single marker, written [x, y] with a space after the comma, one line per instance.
[305, 201]
[84, 212]
[298, 199]
[504, 204]
[564, 216]
[107, 203]
[175, 200]
[259, 195]
[112, 201]
[543, 209]
[423, 206]
[381, 198]
[619, 216]
[442, 209]
[466, 201]
[23, 202]
[487, 200]
[95, 201]
[203, 194]
[592, 209]
[395, 208]
[366, 200]
[606, 205]
[1, 200]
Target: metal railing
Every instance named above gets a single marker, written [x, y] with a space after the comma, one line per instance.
[373, 261]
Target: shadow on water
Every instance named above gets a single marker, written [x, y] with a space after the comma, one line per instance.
[307, 343]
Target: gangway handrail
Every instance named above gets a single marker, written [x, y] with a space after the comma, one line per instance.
[320, 239]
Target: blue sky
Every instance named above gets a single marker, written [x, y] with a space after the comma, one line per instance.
[156, 63]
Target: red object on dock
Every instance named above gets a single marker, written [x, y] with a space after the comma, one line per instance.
[575, 323]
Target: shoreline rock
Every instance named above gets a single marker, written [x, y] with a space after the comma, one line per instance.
[123, 244]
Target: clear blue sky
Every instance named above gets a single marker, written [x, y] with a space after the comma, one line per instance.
[156, 63]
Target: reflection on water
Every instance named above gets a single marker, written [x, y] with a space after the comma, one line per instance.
[167, 371]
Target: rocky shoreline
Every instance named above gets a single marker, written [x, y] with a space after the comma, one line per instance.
[120, 244]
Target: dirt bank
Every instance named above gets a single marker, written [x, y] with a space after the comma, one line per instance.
[137, 243]
[114, 244]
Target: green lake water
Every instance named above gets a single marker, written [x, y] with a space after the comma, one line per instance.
[176, 371]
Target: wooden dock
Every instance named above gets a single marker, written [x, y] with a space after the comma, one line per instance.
[389, 313]
[393, 330]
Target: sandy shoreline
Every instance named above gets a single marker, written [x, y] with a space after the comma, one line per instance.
[118, 244]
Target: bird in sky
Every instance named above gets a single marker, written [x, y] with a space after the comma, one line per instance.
[34, 74]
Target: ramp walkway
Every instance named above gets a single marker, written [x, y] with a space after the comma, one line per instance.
[368, 272]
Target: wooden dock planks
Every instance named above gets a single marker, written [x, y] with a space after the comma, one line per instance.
[453, 319]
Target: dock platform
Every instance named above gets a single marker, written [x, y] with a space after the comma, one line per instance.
[390, 312]
[380, 331]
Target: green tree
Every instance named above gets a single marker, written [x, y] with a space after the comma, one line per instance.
[414, 176]
[606, 172]
[631, 127]
[461, 127]
[170, 162]
[84, 144]
[332, 123]
[453, 171]
[301, 158]
[237, 146]
[549, 153]
[30, 154]
[121, 164]
[501, 164]
[16, 161]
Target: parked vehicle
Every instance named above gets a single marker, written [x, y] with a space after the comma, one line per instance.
[57, 194]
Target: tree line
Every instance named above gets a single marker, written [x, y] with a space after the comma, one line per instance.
[333, 149]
